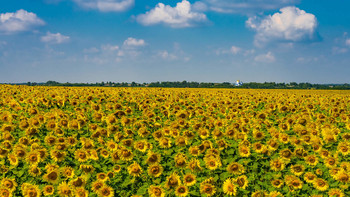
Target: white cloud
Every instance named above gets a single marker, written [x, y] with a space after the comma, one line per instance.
[235, 50]
[266, 58]
[12, 22]
[177, 17]
[166, 55]
[347, 42]
[246, 7]
[339, 50]
[109, 47]
[291, 24]
[106, 5]
[56, 38]
[133, 42]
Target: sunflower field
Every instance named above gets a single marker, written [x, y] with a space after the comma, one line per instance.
[83, 141]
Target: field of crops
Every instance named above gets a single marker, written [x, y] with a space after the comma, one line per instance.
[60, 141]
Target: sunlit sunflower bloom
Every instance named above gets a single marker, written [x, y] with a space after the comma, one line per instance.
[203, 133]
[235, 168]
[244, 151]
[29, 190]
[50, 140]
[13, 159]
[51, 177]
[343, 148]
[48, 190]
[194, 151]
[153, 158]
[181, 141]
[297, 169]
[33, 157]
[277, 183]
[34, 171]
[9, 184]
[277, 164]
[155, 170]
[81, 192]
[212, 163]
[172, 181]
[334, 192]
[242, 181]
[88, 169]
[321, 184]
[275, 194]
[194, 165]
[64, 190]
[126, 154]
[141, 145]
[311, 160]
[343, 176]
[81, 155]
[106, 191]
[286, 154]
[189, 179]
[5, 192]
[229, 187]
[96, 186]
[331, 162]
[57, 156]
[165, 142]
[181, 191]
[309, 177]
[207, 189]
[258, 135]
[102, 176]
[112, 146]
[135, 169]
[117, 168]
[67, 172]
[156, 191]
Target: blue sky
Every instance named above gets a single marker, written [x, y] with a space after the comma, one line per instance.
[202, 40]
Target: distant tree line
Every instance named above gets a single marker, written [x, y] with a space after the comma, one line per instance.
[186, 84]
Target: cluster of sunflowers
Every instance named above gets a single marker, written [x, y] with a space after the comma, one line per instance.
[60, 141]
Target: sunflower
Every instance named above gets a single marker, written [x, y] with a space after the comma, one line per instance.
[33, 157]
[321, 184]
[78, 182]
[181, 141]
[229, 187]
[286, 154]
[331, 162]
[96, 186]
[52, 177]
[194, 165]
[235, 168]
[335, 192]
[244, 151]
[165, 142]
[344, 148]
[57, 156]
[102, 176]
[297, 169]
[275, 194]
[68, 172]
[242, 181]
[172, 181]
[111, 145]
[203, 133]
[207, 189]
[126, 154]
[309, 177]
[81, 155]
[106, 191]
[153, 158]
[311, 160]
[156, 191]
[277, 164]
[64, 189]
[29, 190]
[212, 163]
[9, 184]
[88, 169]
[181, 191]
[34, 171]
[277, 183]
[194, 151]
[155, 170]
[343, 176]
[13, 159]
[135, 169]
[81, 192]
[48, 190]
[141, 145]
[189, 179]
[258, 135]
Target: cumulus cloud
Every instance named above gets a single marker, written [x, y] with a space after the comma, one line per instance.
[19, 21]
[290, 24]
[133, 42]
[179, 16]
[246, 7]
[56, 38]
[106, 5]
[266, 58]
[347, 42]
[166, 55]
